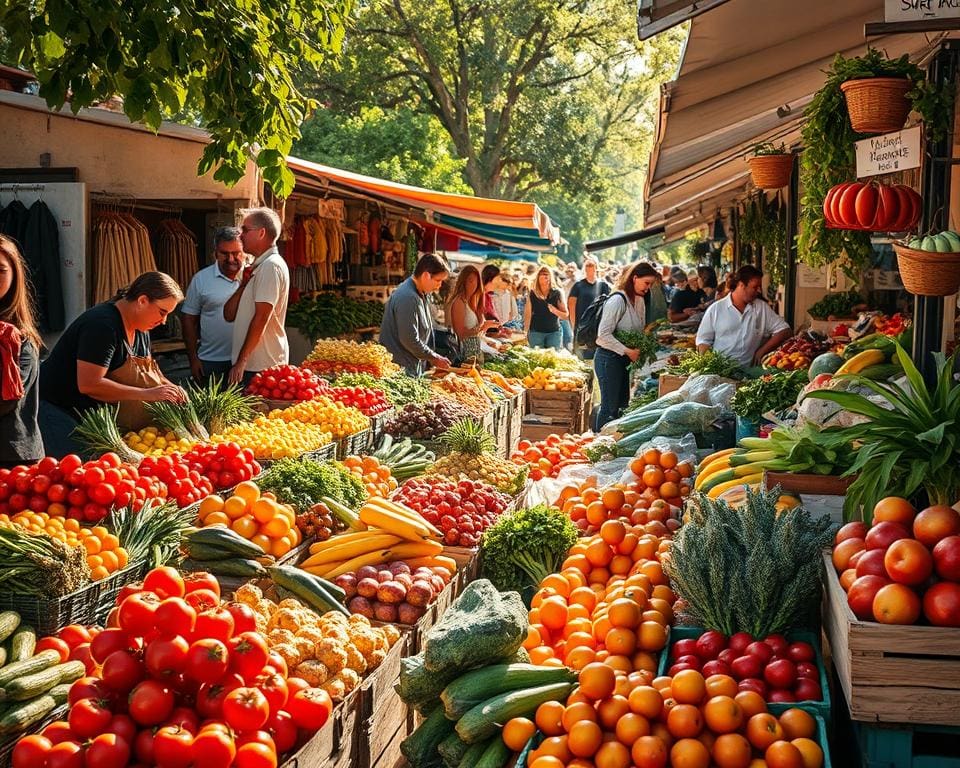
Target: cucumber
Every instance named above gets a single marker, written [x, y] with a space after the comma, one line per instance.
[222, 537]
[479, 685]
[31, 686]
[4, 654]
[206, 552]
[420, 747]
[495, 755]
[37, 663]
[487, 718]
[9, 621]
[307, 588]
[27, 713]
[335, 590]
[236, 566]
[476, 751]
[23, 643]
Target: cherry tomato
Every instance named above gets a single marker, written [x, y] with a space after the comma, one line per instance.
[207, 660]
[246, 709]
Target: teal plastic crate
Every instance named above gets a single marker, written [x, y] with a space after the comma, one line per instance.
[907, 746]
[821, 708]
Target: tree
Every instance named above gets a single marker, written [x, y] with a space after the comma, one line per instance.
[235, 64]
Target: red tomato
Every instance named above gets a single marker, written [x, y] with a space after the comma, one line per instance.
[173, 747]
[255, 755]
[75, 634]
[310, 708]
[110, 459]
[137, 613]
[274, 687]
[296, 684]
[276, 661]
[88, 717]
[150, 702]
[216, 623]
[55, 644]
[110, 640]
[87, 688]
[244, 619]
[246, 709]
[143, 746]
[210, 696]
[212, 748]
[129, 589]
[124, 727]
[201, 580]
[167, 657]
[122, 670]
[57, 731]
[164, 582]
[92, 476]
[31, 751]
[66, 754]
[248, 654]
[207, 660]
[82, 653]
[203, 599]
[57, 493]
[283, 730]
[186, 718]
[174, 616]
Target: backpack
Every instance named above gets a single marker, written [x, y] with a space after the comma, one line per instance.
[588, 324]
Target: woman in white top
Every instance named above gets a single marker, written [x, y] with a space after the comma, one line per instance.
[623, 311]
[465, 313]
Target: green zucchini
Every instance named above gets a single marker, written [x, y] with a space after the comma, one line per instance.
[452, 750]
[487, 718]
[23, 643]
[476, 751]
[333, 589]
[307, 588]
[495, 755]
[31, 686]
[37, 663]
[20, 717]
[9, 621]
[222, 537]
[420, 747]
[235, 566]
[479, 685]
[206, 552]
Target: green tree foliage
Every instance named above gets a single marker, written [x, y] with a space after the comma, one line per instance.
[235, 64]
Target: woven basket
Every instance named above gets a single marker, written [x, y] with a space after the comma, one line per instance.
[771, 171]
[877, 104]
[925, 273]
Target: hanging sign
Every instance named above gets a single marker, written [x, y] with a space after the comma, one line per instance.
[889, 153]
[920, 10]
[811, 277]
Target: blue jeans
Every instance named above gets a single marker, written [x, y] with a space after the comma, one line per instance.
[551, 340]
[56, 426]
[567, 330]
[614, 381]
[213, 368]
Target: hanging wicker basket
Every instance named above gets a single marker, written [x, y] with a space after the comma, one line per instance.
[877, 104]
[927, 273]
[771, 171]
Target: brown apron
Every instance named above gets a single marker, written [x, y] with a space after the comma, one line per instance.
[139, 372]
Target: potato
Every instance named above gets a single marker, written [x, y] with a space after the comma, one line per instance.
[409, 614]
[361, 605]
[368, 587]
[384, 612]
[392, 592]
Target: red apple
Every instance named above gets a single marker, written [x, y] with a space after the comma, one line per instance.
[871, 562]
[896, 604]
[761, 650]
[808, 669]
[710, 643]
[690, 660]
[727, 655]
[738, 642]
[946, 558]
[807, 690]
[685, 647]
[753, 684]
[895, 510]
[680, 667]
[855, 558]
[883, 534]
[941, 604]
[936, 523]
[747, 666]
[849, 576]
[907, 561]
[778, 643]
[854, 530]
[800, 651]
[844, 551]
[715, 667]
[781, 673]
[781, 695]
[861, 594]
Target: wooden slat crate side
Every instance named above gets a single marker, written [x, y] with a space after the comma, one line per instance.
[905, 704]
[391, 756]
[336, 744]
[385, 714]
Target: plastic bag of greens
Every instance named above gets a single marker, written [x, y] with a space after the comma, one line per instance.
[676, 421]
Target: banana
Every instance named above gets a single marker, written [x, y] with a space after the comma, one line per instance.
[755, 443]
[750, 480]
[338, 552]
[752, 456]
[862, 360]
[714, 456]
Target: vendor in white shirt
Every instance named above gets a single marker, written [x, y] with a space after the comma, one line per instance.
[741, 324]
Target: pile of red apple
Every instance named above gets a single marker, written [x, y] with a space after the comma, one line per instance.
[904, 565]
[774, 667]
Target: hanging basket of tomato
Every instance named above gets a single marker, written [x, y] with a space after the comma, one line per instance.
[872, 207]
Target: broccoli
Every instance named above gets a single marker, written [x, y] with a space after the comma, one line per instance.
[302, 482]
[522, 548]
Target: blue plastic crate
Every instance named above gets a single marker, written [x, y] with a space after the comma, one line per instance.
[821, 708]
[907, 746]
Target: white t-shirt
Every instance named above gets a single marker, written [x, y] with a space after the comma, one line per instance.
[619, 314]
[270, 284]
[738, 335]
[207, 293]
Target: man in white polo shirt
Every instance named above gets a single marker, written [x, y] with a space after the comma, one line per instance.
[207, 335]
[741, 324]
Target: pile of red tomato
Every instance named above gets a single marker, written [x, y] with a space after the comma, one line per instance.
[224, 464]
[463, 510]
[872, 207]
[286, 382]
[547, 457]
[76, 489]
[185, 485]
[178, 679]
[370, 402]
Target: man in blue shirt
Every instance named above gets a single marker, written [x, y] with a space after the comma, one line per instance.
[206, 334]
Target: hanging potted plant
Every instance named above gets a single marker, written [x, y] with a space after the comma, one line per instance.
[770, 166]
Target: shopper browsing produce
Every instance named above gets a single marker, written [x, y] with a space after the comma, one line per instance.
[582, 295]
[406, 327]
[465, 314]
[543, 312]
[104, 356]
[623, 311]
[20, 343]
[741, 324]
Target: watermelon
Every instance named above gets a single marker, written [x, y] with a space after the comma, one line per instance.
[828, 362]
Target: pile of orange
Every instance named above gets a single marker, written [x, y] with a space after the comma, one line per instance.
[376, 477]
[104, 553]
[611, 603]
[255, 516]
[618, 720]
[590, 507]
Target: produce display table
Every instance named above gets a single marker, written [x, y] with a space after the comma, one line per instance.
[557, 411]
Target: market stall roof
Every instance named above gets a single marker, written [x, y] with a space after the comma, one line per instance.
[504, 222]
[622, 239]
[655, 16]
[734, 90]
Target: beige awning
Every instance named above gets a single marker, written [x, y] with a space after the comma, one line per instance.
[654, 16]
[748, 72]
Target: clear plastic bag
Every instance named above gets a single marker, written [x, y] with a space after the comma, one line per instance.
[685, 447]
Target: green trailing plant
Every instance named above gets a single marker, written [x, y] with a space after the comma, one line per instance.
[836, 305]
[829, 155]
[749, 569]
[769, 148]
[708, 362]
[764, 224]
[910, 440]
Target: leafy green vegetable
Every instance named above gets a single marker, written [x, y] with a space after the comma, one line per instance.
[400, 389]
[645, 343]
[751, 569]
[523, 547]
[709, 362]
[772, 392]
[518, 362]
[328, 314]
[302, 483]
[836, 305]
[641, 399]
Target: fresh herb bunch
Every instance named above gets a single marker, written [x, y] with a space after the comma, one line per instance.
[97, 432]
[219, 405]
[641, 399]
[751, 569]
[836, 305]
[908, 443]
[763, 224]
[518, 362]
[645, 343]
[829, 154]
[771, 392]
[179, 418]
[154, 532]
[600, 449]
[523, 547]
[769, 148]
[304, 482]
[39, 565]
[328, 314]
[709, 362]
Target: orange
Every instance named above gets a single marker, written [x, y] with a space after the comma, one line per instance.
[248, 490]
[621, 641]
[533, 638]
[652, 636]
[517, 732]
[649, 752]
[689, 753]
[654, 571]
[685, 721]
[546, 762]
[599, 553]
[540, 654]
[810, 752]
[612, 754]
[211, 503]
[613, 532]
[548, 718]
[577, 562]
[262, 541]
[642, 660]
[110, 560]
[783, 754]
[662, 683]
[751, 703]
[652, 477]
[668, 460]
[723, 715]
[609, 711]
[731, 750]
[797, 723]
[263, 510]
[646, 700]
[579, 657]
[557, 583]
[98, 573]
[214, 518]
[613, 499]
[576, 712]
[246, 526]
[579, 638]
[597, 681]
[663, 592]
[651, 456]
[235, 508]
[584, 738]
[583, 596]
[624, 613]
[669, 490]
[576, 611]
[763, 729]
[663, 607]
[553, 613]
[556, 746]
[91, 544]
[279, 547]
[722, 685]
[619, 663]
[277, 527]
[631, 727]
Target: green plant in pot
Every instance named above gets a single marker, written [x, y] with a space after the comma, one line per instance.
[829, 155]
[770, 165]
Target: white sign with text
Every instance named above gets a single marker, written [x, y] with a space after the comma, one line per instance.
[920, 10]
[889, 153]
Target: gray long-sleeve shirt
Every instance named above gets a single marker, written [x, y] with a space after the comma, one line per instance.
[405, 329]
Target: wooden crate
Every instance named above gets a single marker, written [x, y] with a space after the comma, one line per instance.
[337, 743]
[468, 561]
[798, 482]
[891, 674]
[392, 757]
[384, 713]
[561, 407]
[668, 383]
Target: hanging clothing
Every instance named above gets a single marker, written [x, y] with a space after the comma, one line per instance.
[13, 221]
[177, 251]
[122, 252]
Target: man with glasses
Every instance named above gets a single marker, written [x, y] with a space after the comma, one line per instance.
[207, 335]
[258, 310]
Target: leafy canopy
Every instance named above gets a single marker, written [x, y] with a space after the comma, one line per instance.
[234, 65]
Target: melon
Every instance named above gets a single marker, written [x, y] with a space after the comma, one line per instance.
[828, 362]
